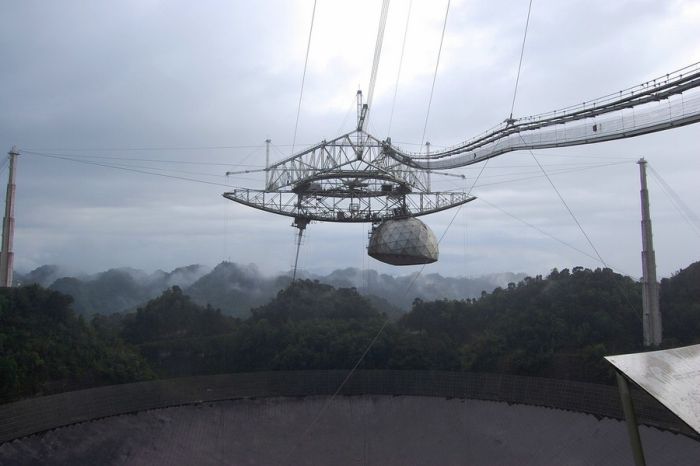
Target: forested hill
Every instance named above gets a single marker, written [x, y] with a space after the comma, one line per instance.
[236, 288]
[680, 305]
[45, 347]
[556, 326]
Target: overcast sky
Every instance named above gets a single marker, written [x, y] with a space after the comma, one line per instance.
[207, 82]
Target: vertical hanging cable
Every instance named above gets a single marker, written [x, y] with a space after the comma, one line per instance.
[437, 64]
[398, 74]
[296, 257]
[520, 63]
[379, 332]
[303, 76]
[375, 62]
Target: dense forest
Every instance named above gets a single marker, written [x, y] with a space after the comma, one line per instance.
[45, 347]
[556, 326]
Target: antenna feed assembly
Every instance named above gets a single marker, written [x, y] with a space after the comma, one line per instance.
[356, 178]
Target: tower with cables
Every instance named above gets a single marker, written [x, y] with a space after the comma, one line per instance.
[8, 225]
[651, 314]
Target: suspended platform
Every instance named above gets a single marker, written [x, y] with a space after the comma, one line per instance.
[351, 179]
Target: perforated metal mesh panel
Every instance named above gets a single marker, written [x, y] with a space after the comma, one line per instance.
[406, 241]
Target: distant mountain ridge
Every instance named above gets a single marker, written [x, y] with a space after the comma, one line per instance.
[236, 288]
[113, 290]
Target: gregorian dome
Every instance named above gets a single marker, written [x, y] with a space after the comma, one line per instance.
[405, 241]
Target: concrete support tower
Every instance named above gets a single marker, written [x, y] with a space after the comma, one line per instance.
[8, 225]
[651, 315]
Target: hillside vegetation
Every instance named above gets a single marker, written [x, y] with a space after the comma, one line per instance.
[556, 326]
[45, 347]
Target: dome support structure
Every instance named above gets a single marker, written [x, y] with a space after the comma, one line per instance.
[353, 178]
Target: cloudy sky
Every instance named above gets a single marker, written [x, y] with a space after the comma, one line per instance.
[192, 89]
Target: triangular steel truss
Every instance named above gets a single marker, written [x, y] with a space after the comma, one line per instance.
[352, 178]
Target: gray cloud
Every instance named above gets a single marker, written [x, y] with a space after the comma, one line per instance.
[139, 74]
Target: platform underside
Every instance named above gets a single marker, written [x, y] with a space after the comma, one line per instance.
[325, 208]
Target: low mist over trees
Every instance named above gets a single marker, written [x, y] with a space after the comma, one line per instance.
[236, 288]
[556, 326]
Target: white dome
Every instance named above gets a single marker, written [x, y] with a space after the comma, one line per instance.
[406, 241]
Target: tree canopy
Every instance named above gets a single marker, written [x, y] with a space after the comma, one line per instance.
[45, 347]
[557, 326]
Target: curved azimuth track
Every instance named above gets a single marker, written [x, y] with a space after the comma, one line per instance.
[351, 178]
[664, 103]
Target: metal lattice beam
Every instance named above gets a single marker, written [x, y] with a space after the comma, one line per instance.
[345, 156]
[370, 207]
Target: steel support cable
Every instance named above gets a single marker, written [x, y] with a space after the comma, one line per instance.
[545, 233]
[4, 164]
[624, 295]
[134, 170]
[171, 170]
[535, 227]
[142, 149]
[347, 115]
[303, 76]
[617, 269]
[249, 154]
[374, 339]
[138, 166]
[432, 87]
[279, 151]
[677, 208]
[444, 233]
[558, 172]
[596, 160]
[681, 207]
[340, 387]
[605, 157]
[398, 74]
[161, 170]
[520, 63]
[296, 256]
[132, 159]
[561, 171]
[561, 198]
[375, 61]
[600, 258]
[560, 168]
